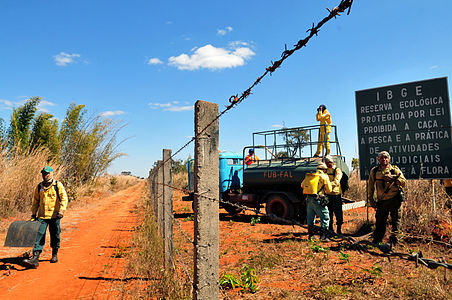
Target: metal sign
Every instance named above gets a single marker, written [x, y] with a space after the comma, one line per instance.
[412, 122]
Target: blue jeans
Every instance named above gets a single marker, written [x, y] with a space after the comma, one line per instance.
[54, 230]
[313, 208]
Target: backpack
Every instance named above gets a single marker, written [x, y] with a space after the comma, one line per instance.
[56, 189]
[344, 181]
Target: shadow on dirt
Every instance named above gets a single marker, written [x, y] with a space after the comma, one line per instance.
[11, 263]
[116, 279]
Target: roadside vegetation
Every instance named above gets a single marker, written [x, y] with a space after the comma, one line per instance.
[79, 150]
[259, 260]
[421, 219]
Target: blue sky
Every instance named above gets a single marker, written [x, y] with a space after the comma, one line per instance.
[147, 62]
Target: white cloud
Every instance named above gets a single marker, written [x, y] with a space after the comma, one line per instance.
[212, 58]
[154, 61]
[277, 126]
[42, 107]
[224, 31]
[434, 67]
[179, 108]
[236, 44]
[170, 106]
[6, 104]
[111, 113]
[63, 59]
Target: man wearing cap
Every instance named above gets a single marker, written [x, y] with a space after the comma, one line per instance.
[388, 182]
[335, 196]
[251, 157]
[324, 117]
[314, 186]
[49, 203]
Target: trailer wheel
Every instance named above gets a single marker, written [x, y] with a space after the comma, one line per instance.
[279, 206]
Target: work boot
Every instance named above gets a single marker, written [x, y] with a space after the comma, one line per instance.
[393, 240]
[339, 229]
[324, 237]
[310, 232]
[34, 261]
[54, 258]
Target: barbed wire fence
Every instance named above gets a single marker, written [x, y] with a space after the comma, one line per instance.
[234, 100]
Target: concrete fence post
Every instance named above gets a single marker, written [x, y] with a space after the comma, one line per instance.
[159, 199]
[152, 188]
[206, 222]
[167, 209]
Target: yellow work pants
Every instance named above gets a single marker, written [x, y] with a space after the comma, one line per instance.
[321, 141]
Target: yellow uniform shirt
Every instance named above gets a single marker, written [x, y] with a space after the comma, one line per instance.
[46, 204]
[377, 182]
[325, 119]
[335, 175]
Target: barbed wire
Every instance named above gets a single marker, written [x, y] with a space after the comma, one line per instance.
[234, 100]
[361, 246]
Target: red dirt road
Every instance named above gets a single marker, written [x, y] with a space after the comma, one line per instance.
[94, 239]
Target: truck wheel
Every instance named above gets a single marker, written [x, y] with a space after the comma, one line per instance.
[279, 206]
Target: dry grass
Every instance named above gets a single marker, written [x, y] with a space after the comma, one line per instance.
[146, 261]
[180, 180]
[19, 176]
[419, 218]
[106, 185]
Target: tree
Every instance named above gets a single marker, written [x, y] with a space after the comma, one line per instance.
[21, 121]
[88, 146]
[295, 139]
[45, 134]
[2, 131]
[355, 163]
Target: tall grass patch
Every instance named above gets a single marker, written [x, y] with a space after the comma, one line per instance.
[19, 176]
[146, 261]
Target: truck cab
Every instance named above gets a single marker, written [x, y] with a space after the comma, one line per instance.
[230, 173]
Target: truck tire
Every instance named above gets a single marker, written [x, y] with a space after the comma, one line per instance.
[279, 206]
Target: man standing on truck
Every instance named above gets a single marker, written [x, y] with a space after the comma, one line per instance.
[251, 157]
[335, 196]
[388, 180]
[314, 186]
[324, 131]
[49, 203]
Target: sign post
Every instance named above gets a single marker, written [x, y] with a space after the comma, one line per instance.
[412, 122]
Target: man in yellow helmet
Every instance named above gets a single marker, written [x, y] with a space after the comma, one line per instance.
[324, 117]
[49, 203]
[315, 186]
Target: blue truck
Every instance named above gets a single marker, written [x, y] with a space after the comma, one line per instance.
[273, 181]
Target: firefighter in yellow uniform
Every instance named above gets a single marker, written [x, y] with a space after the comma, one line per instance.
[49, 203]
[315, 186]
[387, 181]
[324, 117]
[335, 197]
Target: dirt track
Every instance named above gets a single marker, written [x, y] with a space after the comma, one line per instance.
[90, 266]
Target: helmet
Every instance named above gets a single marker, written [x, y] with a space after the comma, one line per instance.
[251, 151]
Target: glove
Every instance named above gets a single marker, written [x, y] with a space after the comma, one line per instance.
[60, 215]
[33, 218]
